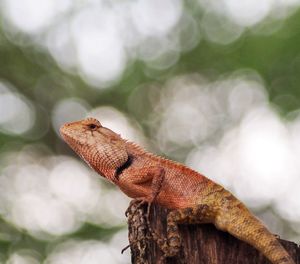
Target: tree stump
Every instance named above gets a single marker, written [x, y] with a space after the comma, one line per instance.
[201, 244]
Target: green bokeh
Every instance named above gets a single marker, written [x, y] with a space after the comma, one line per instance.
[276, 57]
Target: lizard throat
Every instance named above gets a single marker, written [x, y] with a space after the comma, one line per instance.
[123, 167]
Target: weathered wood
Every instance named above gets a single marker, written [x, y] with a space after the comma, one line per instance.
[202, 244]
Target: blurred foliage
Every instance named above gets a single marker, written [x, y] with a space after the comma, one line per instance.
[36, 75]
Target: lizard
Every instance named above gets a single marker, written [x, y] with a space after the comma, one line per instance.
[191, 197]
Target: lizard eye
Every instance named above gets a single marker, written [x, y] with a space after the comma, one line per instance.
[92, 126]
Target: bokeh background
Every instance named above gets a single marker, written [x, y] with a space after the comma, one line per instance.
[213, 84]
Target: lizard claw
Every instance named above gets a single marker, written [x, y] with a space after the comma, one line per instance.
[134, 206]
[125, 248]
[134, 243]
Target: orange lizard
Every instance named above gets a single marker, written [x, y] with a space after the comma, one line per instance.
[148, 178]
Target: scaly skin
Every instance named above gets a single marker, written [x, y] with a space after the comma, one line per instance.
[191, 197]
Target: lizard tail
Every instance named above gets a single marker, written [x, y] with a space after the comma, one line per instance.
[239, 222]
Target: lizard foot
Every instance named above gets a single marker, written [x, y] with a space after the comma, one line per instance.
[134, 206]
[136, 242]
[135, 209]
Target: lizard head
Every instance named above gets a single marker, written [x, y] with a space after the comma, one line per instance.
[102, 149]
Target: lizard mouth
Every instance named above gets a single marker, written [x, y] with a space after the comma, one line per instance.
[64, 133]
[67, 135]
[64, 129]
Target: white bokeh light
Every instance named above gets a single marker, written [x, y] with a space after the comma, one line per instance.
[220, 29]
[118, 241]
[264, 151]
[100, 51]
[32, 16]
[42, 213]
[70, 182]
[114, 203]
[196, 108]
[156, 17]
[225, 21]
[191, 101]
[68, 110]
[23, 257]
[61, 46]
[248, 12]
[17, 114]
[98, 40]
[78, 252]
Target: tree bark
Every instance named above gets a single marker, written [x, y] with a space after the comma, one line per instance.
[201, 244]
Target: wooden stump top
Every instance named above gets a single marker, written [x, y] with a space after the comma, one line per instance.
[201, 244]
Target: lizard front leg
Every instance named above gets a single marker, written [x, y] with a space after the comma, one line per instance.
[154, 176]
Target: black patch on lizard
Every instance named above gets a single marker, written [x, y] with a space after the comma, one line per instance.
[123, 167]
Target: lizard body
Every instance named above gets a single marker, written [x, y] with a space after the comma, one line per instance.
[192, 197]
